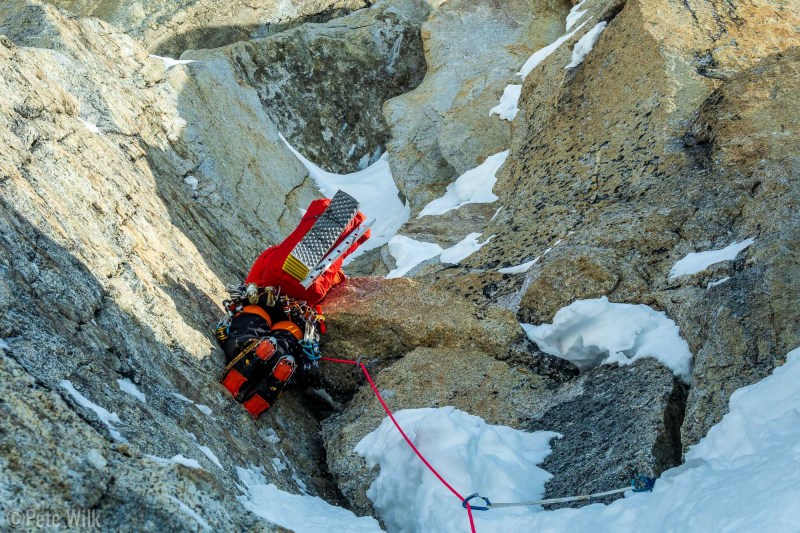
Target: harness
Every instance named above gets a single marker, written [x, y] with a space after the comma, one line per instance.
[305, 323]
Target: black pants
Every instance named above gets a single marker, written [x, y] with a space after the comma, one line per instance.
[253, 375]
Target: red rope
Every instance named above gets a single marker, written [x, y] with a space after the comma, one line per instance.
[403, 433]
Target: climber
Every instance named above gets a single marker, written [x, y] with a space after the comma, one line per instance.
[273, 320]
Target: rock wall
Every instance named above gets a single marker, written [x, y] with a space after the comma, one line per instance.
[324, 84]
[676, 134]
[472, 50]
[170, 28]
[112, 266]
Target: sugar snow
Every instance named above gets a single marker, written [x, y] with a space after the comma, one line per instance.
[470, 454]
[542, 54]
[106, 417]
[508, 108]
[585, 45]
[472, 187]
[375, 190]
[408, 253]
[129, 387]
[593, 332]
[301, 514]
[460, 251]
[698, 261]
[743, 476]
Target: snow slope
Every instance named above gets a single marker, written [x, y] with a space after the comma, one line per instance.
[743, 477]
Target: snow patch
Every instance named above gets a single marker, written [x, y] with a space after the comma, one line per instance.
[190, 512]
[4, 345]
[278, 465]
[472, 187]
[206, 410]
[575, 14]
[519, 269]
[299, 513]
[585, 45]
[211, 455]
[129, 387]
[718, 282]
[375, 190]
[698, 261]
[408, 253]
[186, 461]
[181, 397]
[594, 332]
[460, 251]
[470, 454]
[192, 182]
[543, 54]
[508, 108]
[106, 417]
[169, 62]
[89, 126]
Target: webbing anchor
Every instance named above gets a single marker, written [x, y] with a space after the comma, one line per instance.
[486, 503]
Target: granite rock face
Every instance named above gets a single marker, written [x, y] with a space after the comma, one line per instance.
[616, 423]
[111, 267]
[382, 320]
[324, 85]
[676, 134]
[169, 28]
[473, 49]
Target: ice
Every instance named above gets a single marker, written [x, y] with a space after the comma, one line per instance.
[408, 253]
[460, 251]
[473, 456]
[204, 409]
[594, 332]
[507, 108]
[585, 45]
[129, 387]
[190, 512]
[472, 187]
[298, 513]
[169, 62]
[211, 455]
[698, 261]
[542, 54]
[575, 14]
[375, 190]
[106, 417]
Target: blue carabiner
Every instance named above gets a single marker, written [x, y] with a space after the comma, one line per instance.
[642, 483]
[486, 506]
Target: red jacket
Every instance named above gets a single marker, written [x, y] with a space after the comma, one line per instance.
[268, 268]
